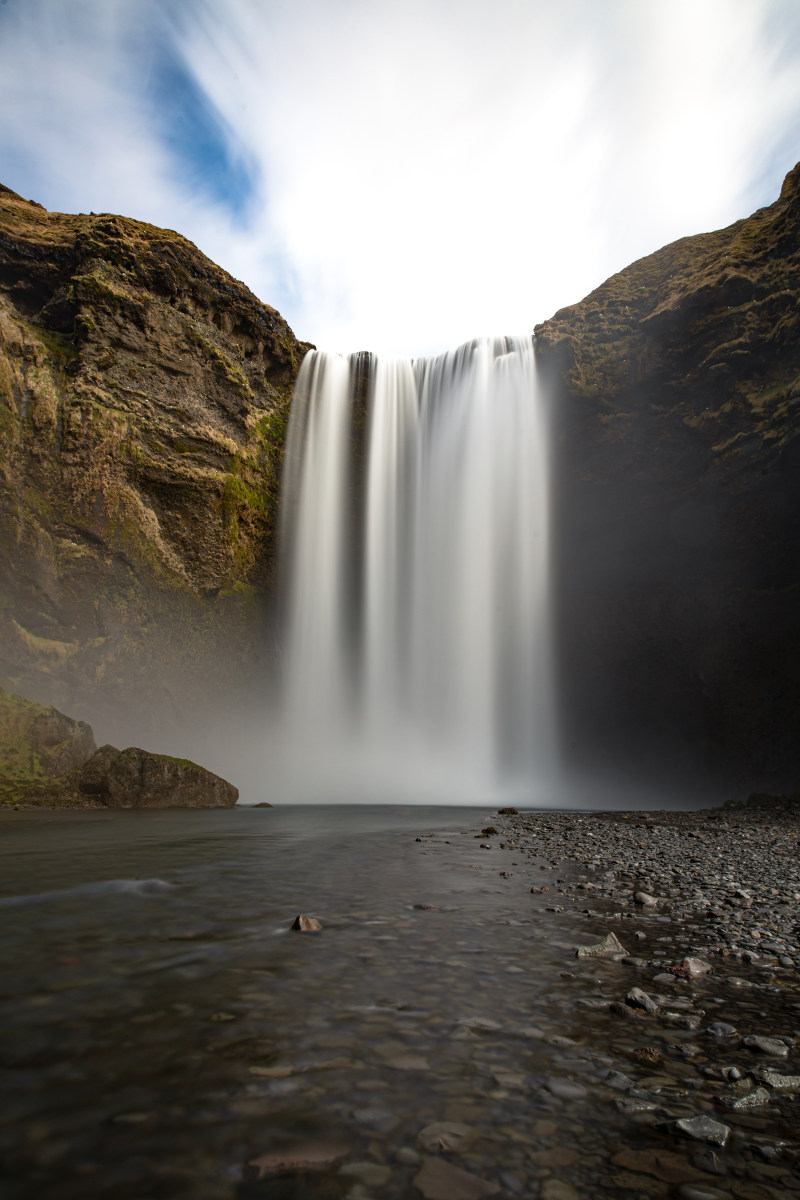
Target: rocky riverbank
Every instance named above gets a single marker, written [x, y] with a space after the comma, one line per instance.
[691, 951]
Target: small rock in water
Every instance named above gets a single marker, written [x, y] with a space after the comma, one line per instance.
[370, 1173]
[565, 1089]
[609, 946]
[305, 924]
[690, 968]
[765, 1045]
[445, 1136]
[704, 1129]
[721, 1029]
[778, 1082]
[439, 1180]
[507, 812]
[645, 900]
[754, 1099]
[307, 1156]
[640, 999]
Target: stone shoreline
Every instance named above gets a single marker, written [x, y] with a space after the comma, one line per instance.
[692, 950]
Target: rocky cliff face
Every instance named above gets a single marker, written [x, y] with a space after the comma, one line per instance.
[144, 395]
[676, 389]
[49, 760]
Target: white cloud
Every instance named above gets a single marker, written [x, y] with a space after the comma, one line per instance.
[431, 170]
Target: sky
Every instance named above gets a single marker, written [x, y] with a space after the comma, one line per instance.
[403, 175]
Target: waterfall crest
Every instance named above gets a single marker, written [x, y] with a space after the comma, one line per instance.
[415, 579]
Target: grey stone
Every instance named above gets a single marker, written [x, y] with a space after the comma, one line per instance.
[765, 1045]
[607, 948]
[704, 1129]
[755, 1099]
[640, 999]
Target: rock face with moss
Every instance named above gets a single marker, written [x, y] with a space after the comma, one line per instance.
[144, 396]
[49, 760]
[134, 778]
[38, 744]
[677, 493]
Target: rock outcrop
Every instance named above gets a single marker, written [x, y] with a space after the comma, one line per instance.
[144, 396]
[49, 760]
[676, 388]
[134, 778]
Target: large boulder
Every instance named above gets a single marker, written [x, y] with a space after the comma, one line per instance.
[134, 778]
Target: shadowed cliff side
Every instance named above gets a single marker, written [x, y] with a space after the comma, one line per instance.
[144, 395]
[676, 400]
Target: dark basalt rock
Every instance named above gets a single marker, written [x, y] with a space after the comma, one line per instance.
[676, 397]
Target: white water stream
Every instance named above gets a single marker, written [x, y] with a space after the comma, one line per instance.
[417, 659]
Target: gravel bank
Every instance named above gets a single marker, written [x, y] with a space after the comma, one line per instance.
[692, 949]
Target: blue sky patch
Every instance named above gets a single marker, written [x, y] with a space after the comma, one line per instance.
[204, 149]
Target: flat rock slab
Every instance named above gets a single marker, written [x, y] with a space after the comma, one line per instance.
[304, 1156]
[778, 1082]
[704, 1129]
[765, 1045]
[440, 1180]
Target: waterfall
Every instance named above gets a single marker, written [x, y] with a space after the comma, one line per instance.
[415, 582]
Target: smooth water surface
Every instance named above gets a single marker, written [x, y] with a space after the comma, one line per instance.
[162, 1029]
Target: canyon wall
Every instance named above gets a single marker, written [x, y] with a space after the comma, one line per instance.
[676, 411]
[144, 396]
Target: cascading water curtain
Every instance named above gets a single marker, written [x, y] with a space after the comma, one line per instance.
[415, 575]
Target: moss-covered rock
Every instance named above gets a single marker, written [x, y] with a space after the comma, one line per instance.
[134, 778]
[37, 744]
[144, 396]
[49, 760]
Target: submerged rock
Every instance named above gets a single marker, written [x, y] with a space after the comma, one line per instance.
[439, 1180]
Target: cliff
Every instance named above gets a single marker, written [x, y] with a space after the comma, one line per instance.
[676, 397]
[144, 395]
[49, 760]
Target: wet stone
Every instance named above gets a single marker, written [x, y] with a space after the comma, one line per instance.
[445, 1136]
[557, 1189]
[766, 1045]
[704, 1129]
[369, 1173]
[440, 1180]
